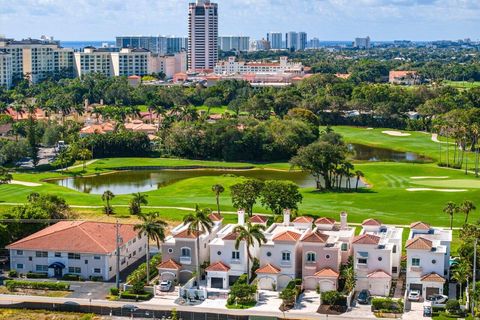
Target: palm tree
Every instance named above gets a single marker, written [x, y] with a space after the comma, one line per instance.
[154, 229]
[107, 196]
[218, 189]
[198, 223]
[450, 208]
[250, 234]
[461, 273]
[136, 203]
[466, 207]
[359, 175]
[84, 155]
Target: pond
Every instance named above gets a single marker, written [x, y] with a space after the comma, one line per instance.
[367, 153]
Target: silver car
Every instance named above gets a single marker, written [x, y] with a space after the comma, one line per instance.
[165, 285]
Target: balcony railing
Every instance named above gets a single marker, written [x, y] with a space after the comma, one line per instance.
[416, 269]
[185, 260]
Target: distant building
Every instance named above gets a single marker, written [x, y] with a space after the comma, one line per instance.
[276, 40]
[6, 69]
[362, 43]
[233, 43]
[296, 40]
[169, 65]
[260, 45]
[154, 44]
[241, 67]
[406, 78]
[313, 43]
[93, 60]
[176, 44]
[302, 41]
[202, 35]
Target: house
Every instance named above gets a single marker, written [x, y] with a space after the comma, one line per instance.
[179, 251]
[97, 129]
[324, 250]
[139, 126]
[280, 257]
[408, 78]
[83, 248]
[376, 257]
[428, 258]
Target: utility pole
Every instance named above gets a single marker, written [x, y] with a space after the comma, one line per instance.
[117, 281]
[474, 275]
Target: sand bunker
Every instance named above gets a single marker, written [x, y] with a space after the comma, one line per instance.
[421, 178]
[437, 190]
[26, 184]
[396, 133]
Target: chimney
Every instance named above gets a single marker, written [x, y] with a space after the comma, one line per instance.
[343, 221]
[241, 217]
[286, 217]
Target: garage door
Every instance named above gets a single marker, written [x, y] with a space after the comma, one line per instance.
[310, 283]
[432, 291]
[326, 285]
[378, 288]
[266, 283]
[416, 286]
[168, 276]
[217, 283]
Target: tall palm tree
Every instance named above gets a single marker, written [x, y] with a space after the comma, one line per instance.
[218, 189]
[154, 229]
[84, 155]
[466, 207]
[450, 208]
[136, 203]
[198, 223]
[107, 196]
[359, 175]
[461, 273]
[250, 234]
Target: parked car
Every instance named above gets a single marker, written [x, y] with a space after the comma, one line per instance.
[130, 307]
[438, 299]
[427, 311]
[165, 286]
[414, 295]
[364, 297]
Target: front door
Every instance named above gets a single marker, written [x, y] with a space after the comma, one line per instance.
[58, 272]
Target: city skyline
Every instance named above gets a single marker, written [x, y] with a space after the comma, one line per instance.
[327, 20]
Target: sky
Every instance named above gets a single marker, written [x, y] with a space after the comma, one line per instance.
[71, 20]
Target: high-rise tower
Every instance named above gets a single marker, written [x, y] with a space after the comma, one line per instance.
[202, 35]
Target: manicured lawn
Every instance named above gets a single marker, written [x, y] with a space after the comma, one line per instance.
[14, 314]
[463, 84]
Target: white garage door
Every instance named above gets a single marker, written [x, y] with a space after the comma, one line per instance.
[378, 288]
[326, 285]
[168, 276]
[265, 283]
[310, 283]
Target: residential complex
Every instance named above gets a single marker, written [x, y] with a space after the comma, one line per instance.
[6, 69]
[234, 43]
[296, 40]
[231, 66]
[160, 45]
[202, 35]
[276, 40]
[404, 77]
[362, 43]
[86, 249]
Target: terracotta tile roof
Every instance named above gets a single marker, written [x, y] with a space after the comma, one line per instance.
[215, 216]
[371, 222]
[97, 129]
[170, 264]
[420, 226]
[327, 273]
[379, 274]
[433, 277]
[218, 266]
[287, 236]
[325, 220]
[76, 236]
[187, 234]
[268, 269]
[231, 236]
[315, 236]
[366, 239]
[303, 219]
[419, 243]
[258, 219]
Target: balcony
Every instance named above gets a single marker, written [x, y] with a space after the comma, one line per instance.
[416, 269]
[235, 261]
[185, 260]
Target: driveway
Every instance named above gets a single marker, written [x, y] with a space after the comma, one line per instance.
[415, 313]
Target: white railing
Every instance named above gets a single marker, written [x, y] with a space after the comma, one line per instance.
[186, 260]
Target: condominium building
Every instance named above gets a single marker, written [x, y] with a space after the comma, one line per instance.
[233, 43]
[276, 40]
[169, 65]
[362, 43]
[6, 69]
[296, 40]
[302, 41]
[176, 44]
[231, 66]
[154, 44]
[129, 62]
[93, 60]
[37, 58]
[313, 43]
[259, 45]
[84, 248]
[202, 35]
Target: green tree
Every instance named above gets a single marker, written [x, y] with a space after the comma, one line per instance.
[154, 229]
[198, 223]
[5, 176]
[250, 234]
[279, 195]
[32, 136]
[218, 189]
[245, 194]
[135, 206]
[462, 273]
[466, 207]
[107, 196]
[359, 174]
[451, 208]
[84, 155]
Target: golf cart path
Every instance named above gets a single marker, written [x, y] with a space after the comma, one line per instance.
[77, 166]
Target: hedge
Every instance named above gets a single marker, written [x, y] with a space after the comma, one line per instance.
[37, 275]
[133, 296]
[387, 305]
[20, 284]
[12, 274]
[71, 277]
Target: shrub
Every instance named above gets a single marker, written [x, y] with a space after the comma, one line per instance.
[12, 274]
[114, 291]
[242, 279]
[387, 305]
[71, 277]
[288, 296]
[96, 278]
[35, 275]
[140, 274]
[332, 298]
[20, 284]
[138, 287]
[134, 296]
[452, 306]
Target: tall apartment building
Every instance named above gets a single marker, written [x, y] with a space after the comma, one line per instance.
[234, 43]
[176, 44]
[202, 35]
[276, 40]
[6, 70]
[154, 44]
[93, 60]
[301, 41]
[129, 62]
[36, 59]
[313, 43]
[296, 40]
[362, 43]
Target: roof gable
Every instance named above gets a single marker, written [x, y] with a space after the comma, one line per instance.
[218, 266]
[170, 264]
[432, 277]
[371, 222]
[303, 219]
[268, 269]
[258, 219]
[325, 220]
[316, 237]
[327, 273]
[287, 236]
[366, 239]
[419, 225]
[419, 243]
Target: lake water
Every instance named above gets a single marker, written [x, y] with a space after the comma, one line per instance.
[127, 182]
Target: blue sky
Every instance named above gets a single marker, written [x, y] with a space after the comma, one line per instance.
[325, 19]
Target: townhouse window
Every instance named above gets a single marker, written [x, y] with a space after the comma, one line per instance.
[41, 268]
[109, 268]
[97, 270]
[30, 258]
[74, 270]
[344, 247]
[311, 257]
[96, 258]
[73, 256]
[219, 253]
[415, 262]
[394, 249]
[19, 252]
[41, 254]
[19, 265]
[86, 261]
[394, 269]
[186, 252]
[58, 254]
[361, 261]
[286, 256]
[235, 255]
